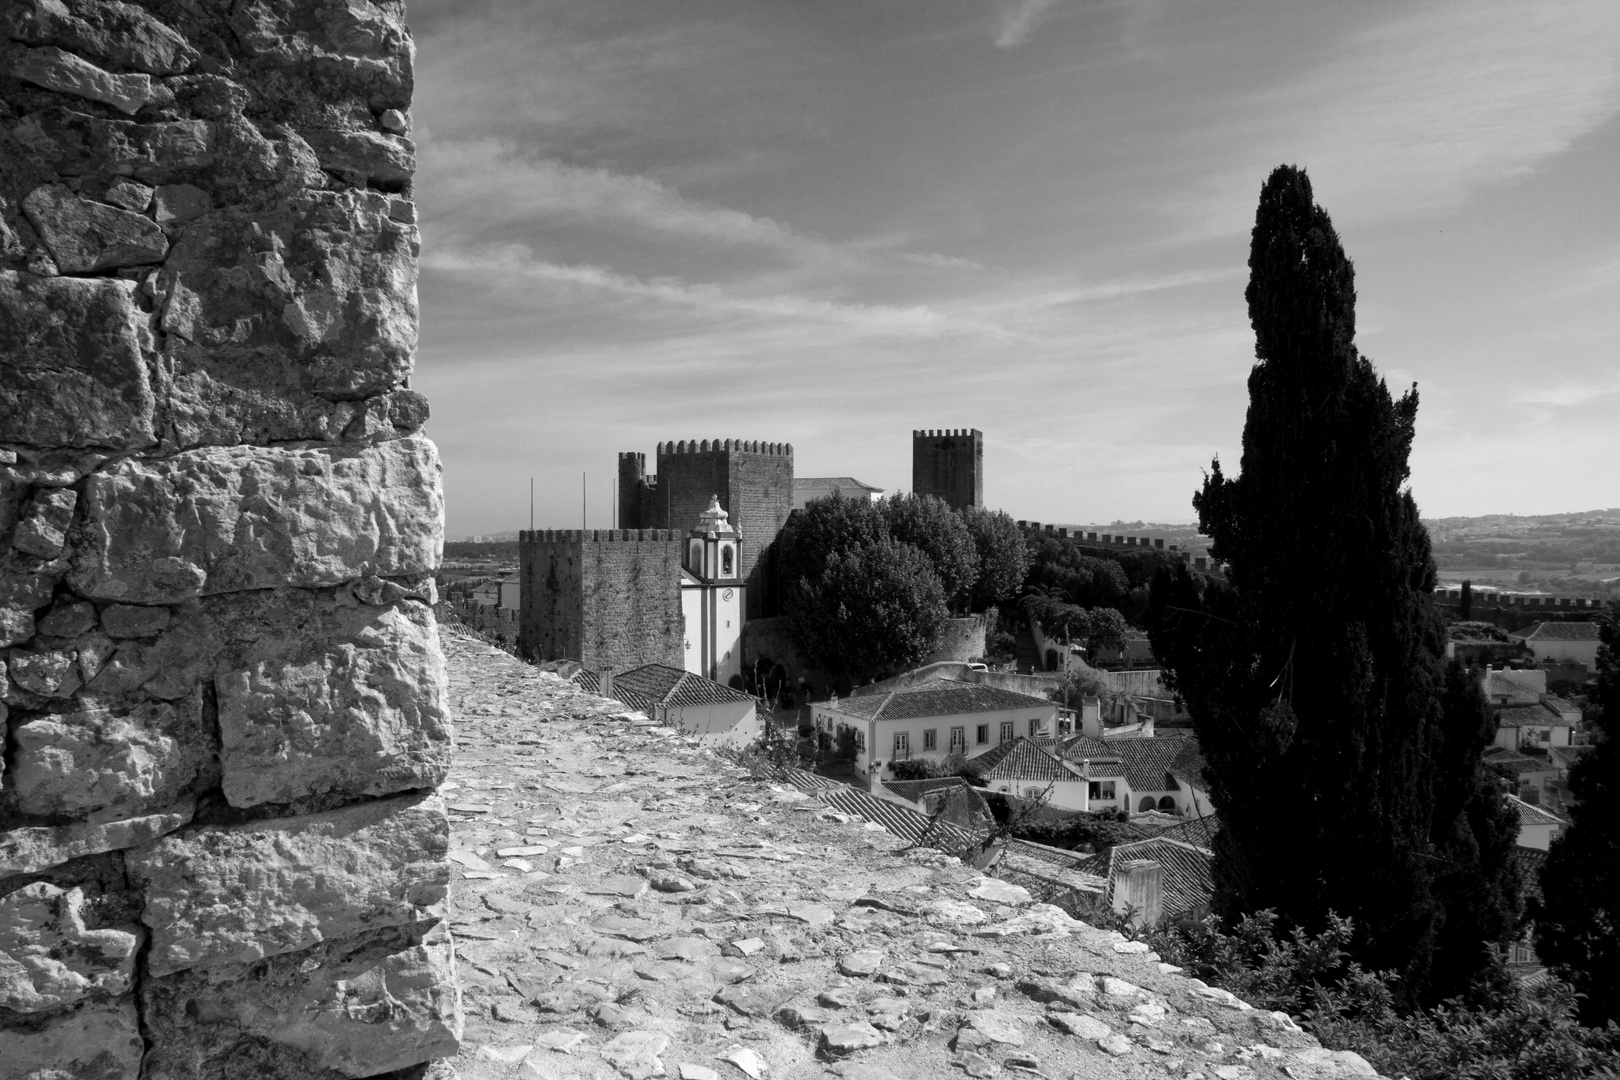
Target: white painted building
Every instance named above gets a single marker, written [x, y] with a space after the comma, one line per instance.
[931, 721]
[712, 597]
[806, 489]
[1562, 642]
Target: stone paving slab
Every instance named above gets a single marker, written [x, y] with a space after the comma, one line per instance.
[627, 904]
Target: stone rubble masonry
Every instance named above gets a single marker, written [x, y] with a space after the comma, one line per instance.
[222, 694]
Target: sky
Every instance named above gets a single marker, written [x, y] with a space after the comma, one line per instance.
[831, 222]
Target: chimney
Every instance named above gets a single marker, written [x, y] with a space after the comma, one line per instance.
[1139, 889]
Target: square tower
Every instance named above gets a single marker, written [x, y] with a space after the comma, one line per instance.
[949, 464]
[753, 481]
[609, 598]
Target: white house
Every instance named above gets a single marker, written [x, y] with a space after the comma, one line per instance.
[1563, 642]
[931, 721]
[1526, 716]
[1537, 827]
[809, 488]
[1025, 769]
[715, 715]
[712, 597]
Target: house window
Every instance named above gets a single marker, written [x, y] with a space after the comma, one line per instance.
[1034, 728]
[902, 744]
[931, 739]
[1065, 727]
[1103, 790]
[1006, 731]
[984, 734]
[958, 740]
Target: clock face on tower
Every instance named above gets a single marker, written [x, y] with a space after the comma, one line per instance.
[726, 595]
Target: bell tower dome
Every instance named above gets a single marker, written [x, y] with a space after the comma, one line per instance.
[712, 546]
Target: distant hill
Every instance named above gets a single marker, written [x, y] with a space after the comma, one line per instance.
[1576, 554]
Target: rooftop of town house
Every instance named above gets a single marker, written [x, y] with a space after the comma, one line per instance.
[660, 684]
[913, 790]
[1199, 831]
[937, 699]
[1151, 763]
[1499, 685]
[1021, 759]
[1186, 883]
[1559, 631]
[801, 483]
[1537, 715]
[1531, 814]
[1515, 762]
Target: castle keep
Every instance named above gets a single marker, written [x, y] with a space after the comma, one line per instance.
[753, 480]
[222, 851]
[949, 464]
[609, 598]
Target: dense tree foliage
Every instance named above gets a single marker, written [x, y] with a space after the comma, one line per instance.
[1058, 567]
[928, 523]
[823, 529]
[1096, 628]
[875, 609]
[1314, 672]
[1578, 921]
[1003, 555]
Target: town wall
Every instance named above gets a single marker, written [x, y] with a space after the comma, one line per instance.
[224, 700]
[609, 598]
[950, 465]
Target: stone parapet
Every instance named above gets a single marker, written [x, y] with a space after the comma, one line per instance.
[221, 684]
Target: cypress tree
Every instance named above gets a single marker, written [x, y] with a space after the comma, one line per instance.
[1578, 921]
[1313, 672]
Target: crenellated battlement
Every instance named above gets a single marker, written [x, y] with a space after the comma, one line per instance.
[710, 446]
[946, 433]
[595, 536]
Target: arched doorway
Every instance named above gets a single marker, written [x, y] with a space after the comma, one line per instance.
[1146, 804]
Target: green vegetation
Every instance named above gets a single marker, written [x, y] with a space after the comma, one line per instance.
[1578, 917]
[1343, 757]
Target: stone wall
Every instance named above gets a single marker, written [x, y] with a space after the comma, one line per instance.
[949, 464]
[221, 850]
[609, 598]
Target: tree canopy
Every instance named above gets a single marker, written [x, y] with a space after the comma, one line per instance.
[875, 609]
[928, 523]
[1003, 555]
[1314, 673]
[1578, 918]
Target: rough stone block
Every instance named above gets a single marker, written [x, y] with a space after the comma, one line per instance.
[52, 673]
[320, 276]
[114, 31]
[329, 699]
[29, 850]
[69, 618]
[86, 236]
[44, 523]
[364, 47]
[68, 74]
[180, 203]
[355, 1007]
[363, 156]
[71, 369]
[26, 584]
[76, 144]
[228, 519]
[95, 759]
[131, 621]
[48, 957]
[239, 894]
[98, 1041]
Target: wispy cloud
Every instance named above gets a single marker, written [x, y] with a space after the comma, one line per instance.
[1018, 19]
[1421, 111]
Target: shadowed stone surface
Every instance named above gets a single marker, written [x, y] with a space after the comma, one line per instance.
[49, 958]
[242, 893]
[30, 849]
[98, 1041]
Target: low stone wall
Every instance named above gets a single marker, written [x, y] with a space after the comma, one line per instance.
[221, 849]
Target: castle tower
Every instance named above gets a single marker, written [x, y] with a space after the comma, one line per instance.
[605, 597]
[712, 591]
[949, 464]
[753, 482]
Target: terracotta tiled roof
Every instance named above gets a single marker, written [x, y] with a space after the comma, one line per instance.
[1082, 747]
[1023, 760]
[1529, 716]
[1560, 631]
[938, 699]
[1497, 685]
[916, 789]
[1148, 762]
[1186, 883]
[1515, 762]
[1200, 832]
[1533, 815]
[660, 684]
